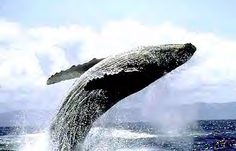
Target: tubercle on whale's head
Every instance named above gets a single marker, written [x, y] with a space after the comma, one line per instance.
[185, 52]
[173, 55]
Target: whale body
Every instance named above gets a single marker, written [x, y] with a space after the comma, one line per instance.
[103, 82]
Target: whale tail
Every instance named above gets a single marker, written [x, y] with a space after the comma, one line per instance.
[72, 72]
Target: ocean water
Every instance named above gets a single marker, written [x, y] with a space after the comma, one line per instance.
[140, 136]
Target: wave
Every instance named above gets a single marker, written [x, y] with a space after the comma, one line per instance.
[40, 141]
[131, 139]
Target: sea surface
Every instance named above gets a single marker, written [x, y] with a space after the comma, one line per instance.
[140, 136]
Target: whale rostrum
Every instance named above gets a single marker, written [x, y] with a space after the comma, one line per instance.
[101, 83]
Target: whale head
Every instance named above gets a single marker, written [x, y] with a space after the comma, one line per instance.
[166, 58]
[132, 71]
[176, 53]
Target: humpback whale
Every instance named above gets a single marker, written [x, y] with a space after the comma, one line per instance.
[101, 83]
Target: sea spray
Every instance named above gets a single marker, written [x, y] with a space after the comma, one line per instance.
[164, 106]
[108, 139]
[35, 142]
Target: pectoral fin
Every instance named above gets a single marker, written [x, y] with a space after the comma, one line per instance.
[72, 72]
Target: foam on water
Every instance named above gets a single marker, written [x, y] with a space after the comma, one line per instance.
[98, 139]
[40, 141]
[106, 139]
[36, 142]
[118, 133]
[141, 149]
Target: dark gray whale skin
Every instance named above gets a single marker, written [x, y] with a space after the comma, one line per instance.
[109, 81]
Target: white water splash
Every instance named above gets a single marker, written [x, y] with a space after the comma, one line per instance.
[107, 139]
[140, 149]
[40, 141]
[118, 133]
[35, 142]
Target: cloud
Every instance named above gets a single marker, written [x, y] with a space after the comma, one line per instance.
[29, 55]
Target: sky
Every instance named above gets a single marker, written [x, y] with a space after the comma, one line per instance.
[39, 38]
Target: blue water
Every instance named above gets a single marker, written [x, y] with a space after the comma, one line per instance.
[202, 135]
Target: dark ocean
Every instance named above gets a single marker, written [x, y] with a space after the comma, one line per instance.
[140, 136]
